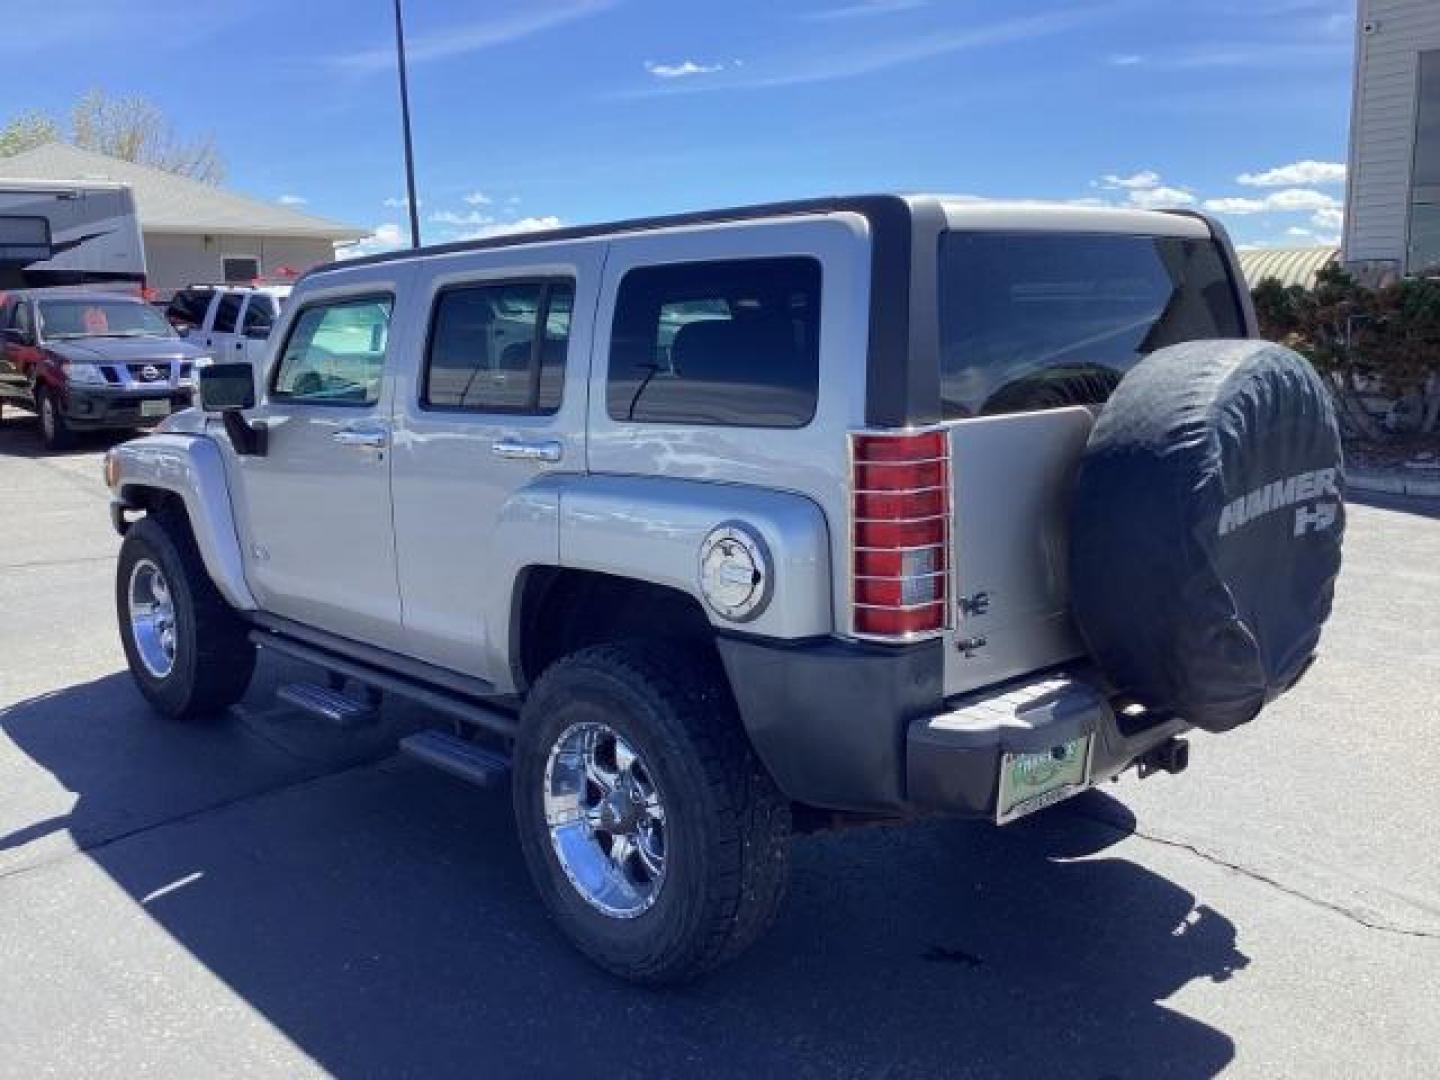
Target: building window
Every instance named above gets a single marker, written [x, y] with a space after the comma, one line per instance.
[240, 269]
[1424, 253]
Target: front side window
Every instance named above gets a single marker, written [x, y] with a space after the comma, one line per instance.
[734, 343]
[226, 312]
[499, 347]
[335, 354]
[188, 307]
[259, 316]
[1042, 320]
[21, 319]
[63, 319]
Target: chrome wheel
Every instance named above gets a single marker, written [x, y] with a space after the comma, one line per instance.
[152, 618]
[606, 820]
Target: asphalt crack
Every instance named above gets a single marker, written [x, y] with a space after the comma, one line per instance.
[1359, 917]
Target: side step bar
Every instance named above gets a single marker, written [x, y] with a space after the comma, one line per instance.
[457, 756]
[466, 710]
[327, 704]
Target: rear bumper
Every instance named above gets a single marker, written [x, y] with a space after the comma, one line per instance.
[103, 408]
[864, 728]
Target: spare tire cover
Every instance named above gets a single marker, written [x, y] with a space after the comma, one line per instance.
[1206, 529]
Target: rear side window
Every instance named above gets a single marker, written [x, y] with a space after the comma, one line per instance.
[335, 354]
[733, 343]
[226, 312]
[1042, 320]
[499, 347]
[189, 306]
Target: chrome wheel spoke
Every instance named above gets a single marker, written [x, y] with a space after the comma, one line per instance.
[606, 820]
[152, 618]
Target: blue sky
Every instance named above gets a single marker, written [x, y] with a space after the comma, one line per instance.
[537, 111]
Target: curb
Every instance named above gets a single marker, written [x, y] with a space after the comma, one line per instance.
[1379, 483]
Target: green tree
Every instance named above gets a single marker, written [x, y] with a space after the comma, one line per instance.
[128, 128]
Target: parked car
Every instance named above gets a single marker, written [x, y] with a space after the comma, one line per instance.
[232, 322]
[712, 527]
[86, 361]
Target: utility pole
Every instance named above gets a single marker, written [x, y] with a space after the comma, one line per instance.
[405, 123]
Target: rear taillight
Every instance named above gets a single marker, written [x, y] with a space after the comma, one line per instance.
[901, 511]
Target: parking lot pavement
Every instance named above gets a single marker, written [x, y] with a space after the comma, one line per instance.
[267, 897]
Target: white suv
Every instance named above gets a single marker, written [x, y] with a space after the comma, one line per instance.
[231, 322]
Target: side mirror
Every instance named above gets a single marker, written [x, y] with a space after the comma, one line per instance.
[227, 387]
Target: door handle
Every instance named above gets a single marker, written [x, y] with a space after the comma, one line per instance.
[361, 437]
[528, 450]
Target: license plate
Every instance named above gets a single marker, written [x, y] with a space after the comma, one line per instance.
[158, 407]
[1033, 781]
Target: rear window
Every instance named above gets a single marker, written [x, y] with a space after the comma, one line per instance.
[733, 343]
[1037, 321]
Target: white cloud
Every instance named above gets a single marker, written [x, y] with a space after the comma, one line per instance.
[292, 200]
[1145, 190]
[1157, 197]
[523, 225]
[1290, 200]
[450, 217]
[393, 203]
[1299, 172]
[828, 64]
[533, 18]
[386, 237]
[1301, 199]
[1126, 60]
[1328, 217]
[864, 9]
[1235, 205]
[1140, 181]
[1295, 230]
[477, 198]
[682, 70]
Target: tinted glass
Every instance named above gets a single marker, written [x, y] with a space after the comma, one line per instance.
[259, 315]
[61, 319]
[189, 306]
[226, 312]
[20, 320]
[335, 354]
[733, 343]
[1036, 321]
[1424, 253]
[24, 239]
[241, 270]
[487, 350]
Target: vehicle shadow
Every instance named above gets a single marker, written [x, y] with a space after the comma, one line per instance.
[20, 437]
[1407, 504]
[380, 917]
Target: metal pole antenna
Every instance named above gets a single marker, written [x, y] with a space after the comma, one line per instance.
[405, 123]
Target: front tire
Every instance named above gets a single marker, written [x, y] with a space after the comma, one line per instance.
[635, 751]
[188, 650]
[55, 433]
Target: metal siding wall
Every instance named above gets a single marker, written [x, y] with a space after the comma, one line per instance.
[1383, 136]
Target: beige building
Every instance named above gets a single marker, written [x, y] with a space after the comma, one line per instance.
[1392, 213]
[194, 232]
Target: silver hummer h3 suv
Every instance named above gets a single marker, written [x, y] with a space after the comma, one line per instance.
[706, 527]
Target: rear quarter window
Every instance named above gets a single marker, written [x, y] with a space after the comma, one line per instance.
[729, 343]
[1042, 320]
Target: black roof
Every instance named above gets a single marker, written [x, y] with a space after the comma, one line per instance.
[876, 208]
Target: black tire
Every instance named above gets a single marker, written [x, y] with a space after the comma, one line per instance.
[727, 826]
[55, 433]
[214, 657]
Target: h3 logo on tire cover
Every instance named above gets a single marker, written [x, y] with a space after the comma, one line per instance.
[1304, 487]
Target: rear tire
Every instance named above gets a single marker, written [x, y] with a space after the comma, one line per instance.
[55, 433]
[726, 828]
[169, 610]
